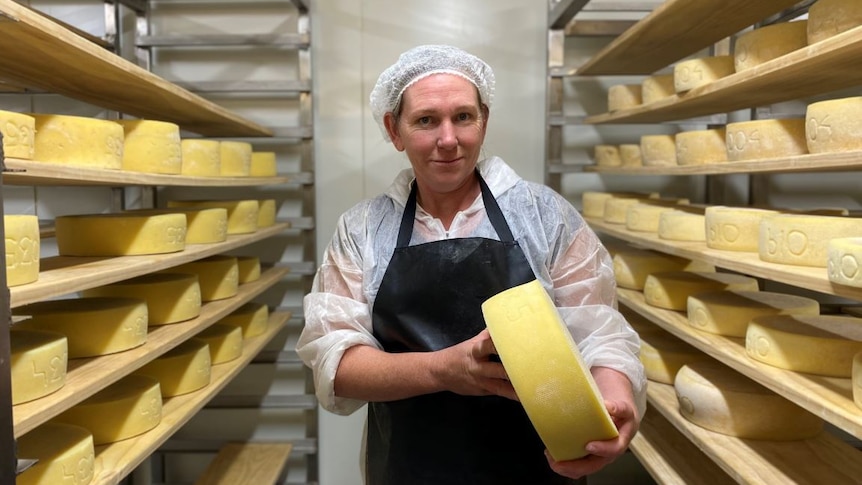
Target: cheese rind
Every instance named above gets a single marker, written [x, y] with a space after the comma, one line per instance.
[218, 276]
[22, 249]
[663, 355]
[644, 217]
[633, 265]
[656, 88]
[242, 215]
[834, 125]
[827, 18]
[682, 225]
[185, 368]
[844, 263]
[734, 228]
[624, 96]
[201, 158]
[547, 371]
[248, 269]
[263, 164]
[65, 455]
[607, 156]
[252, 317]
[694, 73]
[803, 240]
[122, 234]
[151, 147]
[170, 297]
[204, 225]
[19, 134]
[224, 340]
[235, 159]
[857, 379]
[757, 46]
[38, 363]
[764, 139]
[671, 289]
[700, 147]
[728, 312]
[76, 140]
[593, 203]
[630, 155]
[266, 213]
[658, 150]
[616, 208]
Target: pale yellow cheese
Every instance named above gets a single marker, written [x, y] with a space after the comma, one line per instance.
[633, 265]
[607, 156]
[714, 396]
[19, 132]
[813, 344]
[204, 225]
[170, 297]
[734, 228]
[658, 150]
[38, 362]
[827, 18]
[663, 355]
[263, 164]
[122, 234]
[857, 379]
[185, 368]
[656, 88]
[834, 125]
[630, 155]
[594, 202]
[126, 408]
[693, 73]
[224, 340]
[728, 312]
[682, 225]
[757, 46]
[235, 158]
[248, 269]
[22, 249]
[201, 158]
[624, 96]
[94, 326]
[252, 317]
[151, 147]
[242, 215]
[75, 140]
[845, 261]
[547, 371]
[616, 208]
[699, 147]
[65, 455]
[218, 276]
[760, 139]
[644, 216]
[803, 240]
[266, 213]
[671, 289]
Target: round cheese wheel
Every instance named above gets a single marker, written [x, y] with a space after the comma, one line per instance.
[827, 18]
[845, 261]
[834, 125]
[185, 368]
[242, 215]
[682, 225]
[803, 240]
[170, 297]
[663, 355]
[757, 46]
[633, 265]
[204, 225]
[218, 276]
[201, 158]
[671, 289]
[763, 139]
[616, 208]
[594, 202]
[655, 88]
[857, 379]
[734, 228]
[658, 150]
[122, 234]
[644, 216]
[22, 249]
[694, 73]
[715, 397]
[700, 147]
[607, 156]
[263, 164]
[38, 363]
[224, 340]
[624, 96]
[728, 312]
[630, 155]
[235, 158]
[19, 132]
[64, 454]
[814, 344]
[248, 269]
[76, 140]
[267, 210]
[151, 147]
[252, 317]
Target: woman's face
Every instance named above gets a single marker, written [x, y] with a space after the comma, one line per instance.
[441, 128]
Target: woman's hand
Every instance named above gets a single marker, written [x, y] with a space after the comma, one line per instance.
[467, 369]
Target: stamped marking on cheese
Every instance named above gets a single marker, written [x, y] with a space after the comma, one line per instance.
[698, 317]
[730, 232]
[82, 472]
[740, 140]
[686, 406]
[797, 242]
[819, 129]
[762, 346]
[849, 266]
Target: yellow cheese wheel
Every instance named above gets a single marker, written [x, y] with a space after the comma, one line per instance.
[126, 408]
[38, 362]
[658, 150]
[547, 371]
[22, 249]
[633, 265]
[644, 216]
[19, 132]
[803, 240]
[680, 224]
[235, 158]
[607, 156]
[714, 396]
[857, 379]
[814, 344]
[656, 88]
[201, 158]
[94, 326]
[170, 297]
[252, 317]
[267, 210]
[263, 164]
[671, 289]
[616, 208]
[248, 269]
[65, 455]
[204, 225]
[827, 18]
[699, 147]
[693, 73]
[151, 147]
[845, 261]
[734, 228]
[728, 312]
[218, 276]
[757, 46]
[663, 355]
[759, 139]
[224, 340]
[242, 215]
[630, 155]
[120, 234]
[594, 202]
[624, 96]
[185, 368]
[834, 125]
[75, 140]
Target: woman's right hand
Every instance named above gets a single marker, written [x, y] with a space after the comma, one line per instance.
[467, 369]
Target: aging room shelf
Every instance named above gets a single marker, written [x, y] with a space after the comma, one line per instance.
[829, 65]
[34, 46]
[87, 376]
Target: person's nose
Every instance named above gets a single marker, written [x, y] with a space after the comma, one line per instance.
[447, 138]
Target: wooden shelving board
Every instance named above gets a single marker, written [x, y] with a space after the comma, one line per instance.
[34, 45]
[815, 461]
[829, 65]
[87, 376]
[676, 29]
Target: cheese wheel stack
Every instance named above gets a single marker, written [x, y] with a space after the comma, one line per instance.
[224, 341]
[630, 155]
[76, 140]
[235, 158]
[252, 317]
[763, 139]
[834, 125]
[616, 208]
[22, 249]
[761, 45]
[169, 297]
[645, 216]
[656, 88]
[633, 265]
[607, 156]
[38, 363]
[185, 368]
[827, 18]
[151, 147]
[248, 269]
[803, 240]
[734, 228]
[218, 276]
[728, 312]
[682, 224]
[65, 454]
[594, 202]
[845, 261]
[658, 150]
[200, 158]
[857, 379]
[671, 289]
[663, 355]
[700, 147]
[19, 135]
[263, 164]
[123, 234]
[694, 73]
[624, 96]
[242, 215]
[204, 225]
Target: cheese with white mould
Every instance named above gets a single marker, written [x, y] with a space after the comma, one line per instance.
[120, 234]
[252, 317]
[658, 150]
[65, 454]
[266, 213]
[857, 379]
[263, 164]
[224, 340]
[763, 139]
[594, 202]
[218, 276]
[671, 289]
[38, 363]
[663, 355]
[693, 73]
[764, 44]
[183, 369]
[19, 132]
[170, 297]
[644, 216]
[204, 225]
[630, 155]
[94, 326]
[834, 125]
[547, 371]
[201, 158]
[129, 407]
[728, 312]
[248, 269]
[827, 18]
[682, 225]
[656, 88]
[633, 265]
[607, 156]
[22, 249]
[700, 147]
[844, 263]
[242, 215]
[235, 159]
[624, 96]
[734, 228]
[715, 397]
[80, 141]
[151, 147]
[803, 240]
[813, 344]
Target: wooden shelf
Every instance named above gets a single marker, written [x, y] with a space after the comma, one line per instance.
[829, 65]
[815, 279]
[34, 45]
[831, 398]
[87, 376]
[116, 460]
[676, 29]
[815, 461]
[61, 275]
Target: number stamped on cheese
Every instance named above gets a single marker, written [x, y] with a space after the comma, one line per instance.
[819, 129]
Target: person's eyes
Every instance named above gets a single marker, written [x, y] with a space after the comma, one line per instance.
[425, 120]
[464, 117]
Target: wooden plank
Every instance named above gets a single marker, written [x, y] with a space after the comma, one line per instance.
[33, 45]
[87, 376]
[246, 464]
[597, 28]
[676, 29]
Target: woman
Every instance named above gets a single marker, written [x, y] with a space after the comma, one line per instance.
[394, 317]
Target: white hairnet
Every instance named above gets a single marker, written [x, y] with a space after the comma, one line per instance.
[423, 61]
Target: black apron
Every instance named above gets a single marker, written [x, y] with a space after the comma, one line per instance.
[430, 298]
